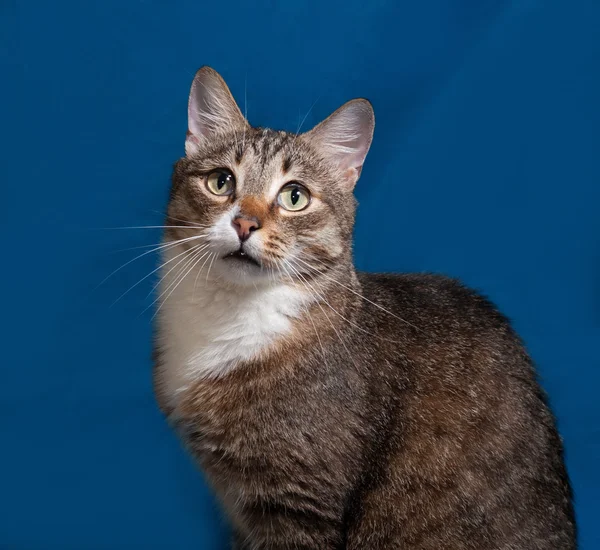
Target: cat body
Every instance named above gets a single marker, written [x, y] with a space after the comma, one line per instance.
[332, 409]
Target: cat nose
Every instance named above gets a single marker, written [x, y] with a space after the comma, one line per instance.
[245, 226]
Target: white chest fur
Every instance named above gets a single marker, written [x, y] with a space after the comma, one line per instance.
[205, 328]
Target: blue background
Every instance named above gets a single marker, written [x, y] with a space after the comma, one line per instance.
[484, 166]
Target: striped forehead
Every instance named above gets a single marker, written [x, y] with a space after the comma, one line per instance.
[266, 162]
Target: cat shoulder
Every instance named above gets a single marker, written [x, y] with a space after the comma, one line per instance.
[432, 298]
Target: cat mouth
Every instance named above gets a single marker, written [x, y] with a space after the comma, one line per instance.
[241, 256]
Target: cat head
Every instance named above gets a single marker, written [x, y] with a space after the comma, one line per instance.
[266, 204]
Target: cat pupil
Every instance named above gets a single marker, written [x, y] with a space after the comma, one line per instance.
[295, 195]
[222, 180]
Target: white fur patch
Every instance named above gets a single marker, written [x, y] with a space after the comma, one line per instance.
[209, 330]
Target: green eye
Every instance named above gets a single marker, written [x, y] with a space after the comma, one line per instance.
[220, 182]
[294, 197]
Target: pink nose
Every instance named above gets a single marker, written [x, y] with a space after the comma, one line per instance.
[245, 226]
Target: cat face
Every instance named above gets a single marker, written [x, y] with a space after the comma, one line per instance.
[266, 205]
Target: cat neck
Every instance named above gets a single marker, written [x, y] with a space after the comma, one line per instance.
[208, 327]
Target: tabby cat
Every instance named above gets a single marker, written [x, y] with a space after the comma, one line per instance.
[329, 408]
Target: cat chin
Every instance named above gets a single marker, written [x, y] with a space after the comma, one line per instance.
[241, 273]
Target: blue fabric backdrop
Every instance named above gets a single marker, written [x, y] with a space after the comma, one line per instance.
[484, 166]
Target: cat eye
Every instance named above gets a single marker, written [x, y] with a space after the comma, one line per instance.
[293, 197]
[220, 182]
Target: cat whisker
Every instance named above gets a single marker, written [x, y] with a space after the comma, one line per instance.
[174, 284]
[210, 265]
[305, 282]
[202, 247]
[200, 271]
[165, 246]
[146, 276]
[245, 109]
[309, 317]
[165, 214]
[358, 294]
[149, 227]
[307, 113]
[191, 224]
[157, 246]
[183, 267]
[271, 275]
[351, 323]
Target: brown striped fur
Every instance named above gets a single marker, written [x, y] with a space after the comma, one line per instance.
[399, 411]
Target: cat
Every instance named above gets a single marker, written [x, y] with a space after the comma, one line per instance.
[332, 409]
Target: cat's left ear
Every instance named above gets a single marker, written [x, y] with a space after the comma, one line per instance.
[344, 138]
[211, 109]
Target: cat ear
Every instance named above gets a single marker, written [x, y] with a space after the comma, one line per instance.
[345, 136]
[211, 109]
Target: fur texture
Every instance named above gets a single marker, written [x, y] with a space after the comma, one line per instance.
[332, 409]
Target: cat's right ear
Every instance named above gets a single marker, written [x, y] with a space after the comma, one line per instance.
[211, 109]
[344, 138]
